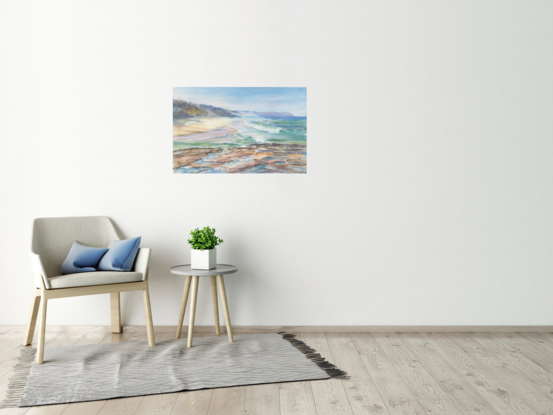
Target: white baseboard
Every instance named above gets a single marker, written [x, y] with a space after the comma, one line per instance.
[368, 329]
[329, 329]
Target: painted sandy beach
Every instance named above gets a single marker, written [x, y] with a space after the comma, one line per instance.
[209, 139]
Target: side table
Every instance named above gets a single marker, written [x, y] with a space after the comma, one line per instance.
[193, 277]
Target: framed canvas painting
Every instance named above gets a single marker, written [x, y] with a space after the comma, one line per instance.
[239, 130]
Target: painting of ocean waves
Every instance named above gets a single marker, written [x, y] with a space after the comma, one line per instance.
[248, 133]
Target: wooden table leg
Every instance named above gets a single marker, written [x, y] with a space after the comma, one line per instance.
[193, 299]
[221, 282]
[183, 304]
[215, 304]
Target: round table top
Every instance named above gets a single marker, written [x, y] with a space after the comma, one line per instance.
[221, 269]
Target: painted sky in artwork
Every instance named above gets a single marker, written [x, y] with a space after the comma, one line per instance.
[292, 100]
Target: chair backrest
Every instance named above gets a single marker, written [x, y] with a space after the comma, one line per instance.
[53, 237]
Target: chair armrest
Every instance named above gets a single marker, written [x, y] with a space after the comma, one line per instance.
[39, 274]
[141, 263]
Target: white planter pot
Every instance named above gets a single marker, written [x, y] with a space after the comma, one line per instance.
[206, 259]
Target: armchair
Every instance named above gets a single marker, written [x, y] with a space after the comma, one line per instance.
[51, 241]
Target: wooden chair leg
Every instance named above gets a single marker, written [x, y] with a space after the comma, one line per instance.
[31, 324]
[183, 304]
[115, 306]
[42, 330]
[193, 298]
[148, 314]
[215, 304]
[223, 293]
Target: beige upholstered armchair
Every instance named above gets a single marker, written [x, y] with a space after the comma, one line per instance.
[51, 242]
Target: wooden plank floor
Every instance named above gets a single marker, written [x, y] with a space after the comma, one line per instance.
[391, 373]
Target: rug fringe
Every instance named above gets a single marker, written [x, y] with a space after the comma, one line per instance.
[315, 357]
[18, 381]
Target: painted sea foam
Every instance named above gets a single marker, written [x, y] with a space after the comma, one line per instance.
[254, 129]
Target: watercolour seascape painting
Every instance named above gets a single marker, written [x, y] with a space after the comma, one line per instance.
[239, 130]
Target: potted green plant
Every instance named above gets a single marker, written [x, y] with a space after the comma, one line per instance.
[203, 243]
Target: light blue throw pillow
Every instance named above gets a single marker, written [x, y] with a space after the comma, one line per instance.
[120, 255]
[82, 258]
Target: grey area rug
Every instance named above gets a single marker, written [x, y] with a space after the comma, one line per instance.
[106, 371]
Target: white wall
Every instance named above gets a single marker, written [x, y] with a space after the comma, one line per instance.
[428, 198]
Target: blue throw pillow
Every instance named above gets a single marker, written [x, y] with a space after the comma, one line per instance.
[82, 258]
[120, 255]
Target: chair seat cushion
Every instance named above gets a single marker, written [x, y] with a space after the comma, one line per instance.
[93, 278]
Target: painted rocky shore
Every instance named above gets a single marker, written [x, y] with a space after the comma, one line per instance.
[208, 139]
[255, 158]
